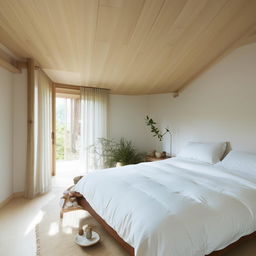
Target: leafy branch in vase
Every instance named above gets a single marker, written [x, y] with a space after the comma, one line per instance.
[156, 132]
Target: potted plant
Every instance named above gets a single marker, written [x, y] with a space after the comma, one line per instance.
[117, 153]
[156, 133]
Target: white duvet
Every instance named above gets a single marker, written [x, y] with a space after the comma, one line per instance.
[174, 207]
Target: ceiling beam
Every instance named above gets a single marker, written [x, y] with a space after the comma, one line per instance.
[8, 62]
[9, 66]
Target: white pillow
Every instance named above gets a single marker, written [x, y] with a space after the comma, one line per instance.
[241, 161]
[204, 152]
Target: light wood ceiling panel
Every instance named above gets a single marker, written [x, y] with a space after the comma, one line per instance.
[128, 46]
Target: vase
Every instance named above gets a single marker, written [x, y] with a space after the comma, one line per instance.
[157, 154]
[119, 164]
[88, 232]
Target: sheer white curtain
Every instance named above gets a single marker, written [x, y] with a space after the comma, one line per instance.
[94, 125]
[39, 162]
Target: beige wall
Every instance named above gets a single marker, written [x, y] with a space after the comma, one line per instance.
[13, 116]
[127, 119]
[219, 106]
[6, 174]
[19, 130]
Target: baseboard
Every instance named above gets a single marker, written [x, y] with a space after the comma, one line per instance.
[18, 194]
[8, 199]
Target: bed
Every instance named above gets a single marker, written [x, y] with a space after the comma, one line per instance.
[175, 206]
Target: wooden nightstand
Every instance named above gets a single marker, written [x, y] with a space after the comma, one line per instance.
[152, 158]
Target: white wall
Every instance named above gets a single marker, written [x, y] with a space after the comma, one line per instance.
[127, 119]
[13, 136]
[219, 106]
[19, 130]
[6, 176]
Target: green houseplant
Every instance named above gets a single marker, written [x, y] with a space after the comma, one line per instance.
[156, 132]
[113, 151]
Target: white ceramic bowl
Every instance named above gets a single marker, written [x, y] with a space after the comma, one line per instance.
[83, 241]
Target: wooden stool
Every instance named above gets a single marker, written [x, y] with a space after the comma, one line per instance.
[69, 199]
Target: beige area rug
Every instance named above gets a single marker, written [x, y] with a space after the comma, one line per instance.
[55, 237]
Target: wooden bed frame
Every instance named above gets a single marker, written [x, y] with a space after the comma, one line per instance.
[86, 206]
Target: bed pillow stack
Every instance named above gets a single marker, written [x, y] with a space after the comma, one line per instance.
[204, 152]
[241, 161]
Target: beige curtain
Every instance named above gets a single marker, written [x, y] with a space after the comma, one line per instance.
[39, 162]
[94, 125]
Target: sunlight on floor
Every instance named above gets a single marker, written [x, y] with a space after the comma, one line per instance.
[19, 218]
[54, 229]
[65, 173]
[37, 219]
[17, 221]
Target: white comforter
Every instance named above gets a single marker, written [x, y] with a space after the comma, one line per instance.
[174, 207]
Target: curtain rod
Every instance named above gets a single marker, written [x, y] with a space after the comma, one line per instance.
[95, 88]
[76, 87]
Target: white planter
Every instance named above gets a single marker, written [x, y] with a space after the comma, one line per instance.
[119, 164]
[157, 154]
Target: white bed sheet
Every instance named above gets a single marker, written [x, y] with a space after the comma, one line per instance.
[174, 207]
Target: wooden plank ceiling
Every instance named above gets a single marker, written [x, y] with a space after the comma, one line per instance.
[128, 46]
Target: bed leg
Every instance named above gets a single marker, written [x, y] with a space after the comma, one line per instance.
[61, 214]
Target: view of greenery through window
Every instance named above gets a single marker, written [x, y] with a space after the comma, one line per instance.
[60, 128]
[67, 128]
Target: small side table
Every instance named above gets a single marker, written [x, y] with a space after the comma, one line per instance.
[69, 199]
[153, 158]
[69, 202]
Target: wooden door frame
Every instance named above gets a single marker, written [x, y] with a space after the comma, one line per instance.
[53, 129]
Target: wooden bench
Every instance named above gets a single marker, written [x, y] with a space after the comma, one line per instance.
[69, 199]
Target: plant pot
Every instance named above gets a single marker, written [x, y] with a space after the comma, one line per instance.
[157, 154]
[119, 164]
[163, 154]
